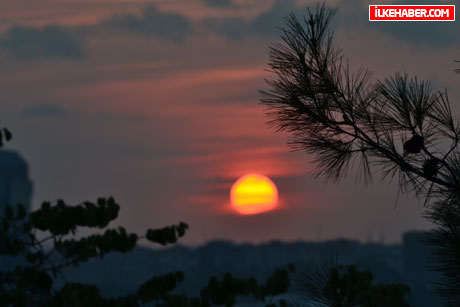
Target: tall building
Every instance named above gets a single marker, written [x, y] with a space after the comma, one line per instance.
[15, 185]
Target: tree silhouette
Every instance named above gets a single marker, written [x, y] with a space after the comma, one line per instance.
[399, 127]
[30, 235]
[334, 285]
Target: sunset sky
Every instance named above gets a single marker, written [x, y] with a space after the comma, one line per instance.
[157, 104]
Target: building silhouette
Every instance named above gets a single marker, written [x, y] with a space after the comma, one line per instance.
[15, 188]
[15, 185]
[120, 274]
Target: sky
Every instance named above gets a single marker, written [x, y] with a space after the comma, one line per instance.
[157, 103]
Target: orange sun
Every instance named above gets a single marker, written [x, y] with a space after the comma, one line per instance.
[253, 194]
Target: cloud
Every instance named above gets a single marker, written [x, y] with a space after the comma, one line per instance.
[47, 42]
[54, 41]
[264, 24]
[232, 28]
[218, 3]
[53, 110]
[151, 22]
[45, 110]
[437, 34]
[267, 22]
[355, 14]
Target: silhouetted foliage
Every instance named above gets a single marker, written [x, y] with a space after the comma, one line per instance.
[398, 126]
[223, 292]
[46, 239]
[32, 284]
[339, 286]
[5, 136]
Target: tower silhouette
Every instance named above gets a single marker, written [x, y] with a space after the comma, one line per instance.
[15, 185]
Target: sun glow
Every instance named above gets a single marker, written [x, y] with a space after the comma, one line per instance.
[253, 194]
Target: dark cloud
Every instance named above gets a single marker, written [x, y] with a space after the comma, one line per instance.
[218, 3]
[267, 22]
[354, 14]
[436, 34]
[64, 42]
[232, 28]
[151, 22]
[48, 42]
[45, 110]
[53, 110]
[55, 41]
[264, 25]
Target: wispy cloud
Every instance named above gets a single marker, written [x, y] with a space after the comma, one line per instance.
[263, 25]
[45, 110]
[66, 42]
[56, 111]
[48, 42]
[433, 34]
[219, 3]
[69, 42]
[152, 22]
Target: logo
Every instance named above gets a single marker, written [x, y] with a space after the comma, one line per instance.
[411, 12]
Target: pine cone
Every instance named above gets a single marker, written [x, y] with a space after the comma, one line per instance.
[414, 145]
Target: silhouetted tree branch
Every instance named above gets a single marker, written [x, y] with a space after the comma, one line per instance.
[334, 285]
[399, 127]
